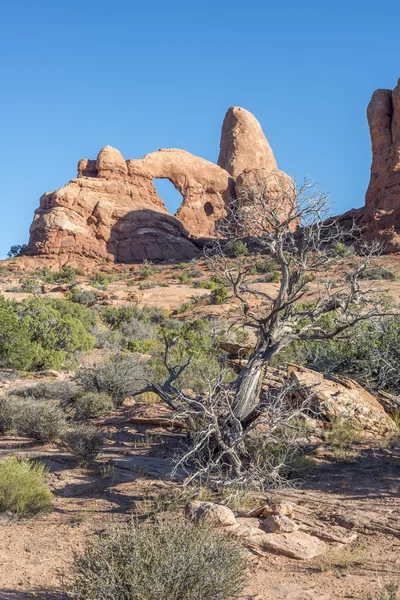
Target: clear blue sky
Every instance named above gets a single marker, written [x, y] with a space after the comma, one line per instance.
[76, 76]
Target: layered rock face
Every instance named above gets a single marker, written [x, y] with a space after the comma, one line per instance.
[111, 211]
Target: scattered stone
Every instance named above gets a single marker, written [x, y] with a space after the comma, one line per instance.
[217, 514]
[279, 524]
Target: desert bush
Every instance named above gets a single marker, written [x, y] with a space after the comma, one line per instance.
[63, 390]
[147, 270]
[378, 272]
[29, 285]
[84, 442]
[239, 248]
[102, 280]
[388, 593]
[106, 338]
[184, 278]
[7, 414]
[40, 421]
[185, 307]
[120, 377]
[92, 404]
[114, 316]
[23, 487]
[148, 285]
[137, 330]
[370, 356]
[175, 560]
[66, 275]
[85, 297]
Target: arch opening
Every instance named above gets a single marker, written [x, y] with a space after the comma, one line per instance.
[208, 209]
[169, 194]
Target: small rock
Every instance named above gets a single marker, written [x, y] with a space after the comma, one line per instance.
[278, 508]
[279, 524]
[217, 514]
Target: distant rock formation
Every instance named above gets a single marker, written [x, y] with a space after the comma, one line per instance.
[111, 211]
[380, 217]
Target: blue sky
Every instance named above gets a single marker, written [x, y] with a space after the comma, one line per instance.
[146, 75]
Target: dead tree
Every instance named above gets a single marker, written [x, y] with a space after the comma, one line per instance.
[319, 277]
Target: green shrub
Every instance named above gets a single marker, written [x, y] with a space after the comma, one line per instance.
[42, 333]
[147, 270]
[114, 316]
[29, 285]
[102, 280]
[84, 442]
[66, 275]
[92, 405]
[370, 355]
[172, 560]
[184, 278]
[120, 377]
[219, 294]
[23, 487]
[239, 248]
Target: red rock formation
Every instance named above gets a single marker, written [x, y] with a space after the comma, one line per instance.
[380, 217]
[112, 211]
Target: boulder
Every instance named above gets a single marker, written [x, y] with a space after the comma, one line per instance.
[341, 398]
[216, 514]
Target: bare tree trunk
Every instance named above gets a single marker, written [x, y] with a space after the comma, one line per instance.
[249, 382]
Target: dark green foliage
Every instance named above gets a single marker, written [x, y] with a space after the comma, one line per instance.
[83, 442]
[239, 248]
[91, 405]
[16, 250]
[164, 560]
[42, 333]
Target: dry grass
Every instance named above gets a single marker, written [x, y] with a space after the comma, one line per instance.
[341, 559]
